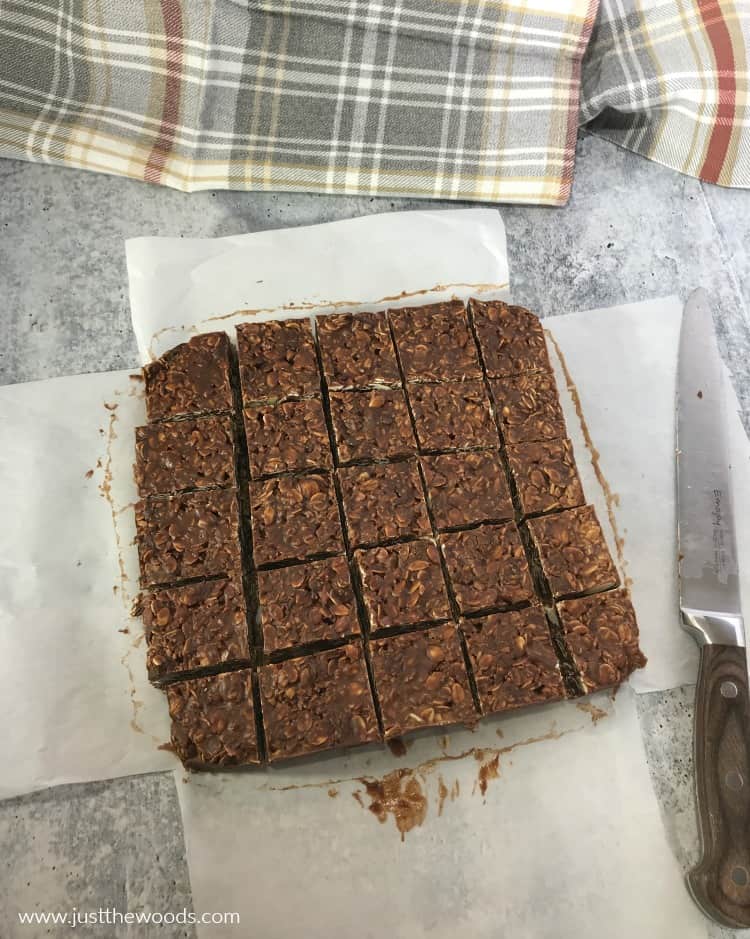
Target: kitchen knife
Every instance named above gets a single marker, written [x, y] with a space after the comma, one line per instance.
[711, 613]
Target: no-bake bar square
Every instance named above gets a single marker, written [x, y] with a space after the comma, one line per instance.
[213, 720]
[307, 603]
[287, 437]
[402, 584]
[294, 518]
[357, 350]
[487, 567]
[191, 535]
[546, 476]
[528, 407]
[435, 343]
[465, 488]
[573, 553]
[421, 681]
[195, 626]
[188, 454]
[371, 425]
[277, 360]
[318, 702]
[383, 501]
[192, 378]
[513, 658]
[511, 338]
[452, 416]
[602, 634]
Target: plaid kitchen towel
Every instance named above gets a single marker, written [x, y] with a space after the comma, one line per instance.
[445, 99]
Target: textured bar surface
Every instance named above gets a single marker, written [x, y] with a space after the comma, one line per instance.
[277, 360]
[528, 407]
[546, 476]
[371, 425]
[383, 501]
[466, 488]
[287, 437]
[434, 342]
[192, 378]
[357, 350]
[452, 416]
[511, 338]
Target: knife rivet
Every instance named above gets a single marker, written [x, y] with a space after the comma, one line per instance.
[734, 780]
[728, 689]
[739, 876]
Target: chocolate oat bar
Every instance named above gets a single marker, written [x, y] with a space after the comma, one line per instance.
[452, 416]
[513, 658]
[277, 360]
[187, 454]
[318, 702]
[196, 626]
[528, 407]
[421, 680]
[287, 437]
[192, 378]
[511, 338]
[545, 476]
[383, 501]
[307, 603]
[602, 634]
[467, 488]
[187, 536]
[371, 425]
[357, 351]
[435, 343]
[213, 720]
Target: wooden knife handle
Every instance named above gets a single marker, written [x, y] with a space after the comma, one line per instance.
[720, 882]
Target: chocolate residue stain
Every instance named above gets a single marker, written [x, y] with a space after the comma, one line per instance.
[487, 771]
[169, 747]
[612, 498]
[88, 474]
[499, 733]
[136, 376]
[356, 795]
[399, 794]
[596, 713]
[105, 488]
[333, 793]
[124, 630]
[110, 406]
[443, 794]
[397, 746]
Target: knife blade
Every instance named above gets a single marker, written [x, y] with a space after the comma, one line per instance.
[711, 612]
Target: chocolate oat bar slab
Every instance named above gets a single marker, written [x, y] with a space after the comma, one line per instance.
[383, 501]
[402, 585]
[187, 536]
[513, 658]
[466, 488]
[319, 702]
[421, 680]
[511, 338]
[371, 425]
[195, 626]
[528, 407]
[307, 603]
[294, 518]
[277, 360]
[453, 416]
[287, 437]
[602, 634]
[545, 476]
[574, 555]
[357, 350]
[188, 454]
[192, 378]
[213, 720]
[435, 343]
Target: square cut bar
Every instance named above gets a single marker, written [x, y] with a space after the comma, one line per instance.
[453, 416]
[513, 658]
[511, 338]
[192, 378]
[287, 437]
[357, 350]
[528, 407]
[421, 681]
[435, 343]
[319, 702]
[187, 454]
[383, 501]
[371, 425]
[186, 536]
[402, 584]
[487, 567]
[574, 555]
[294, 518]
[307, 603]
[277, 360]
[195, 626]
[466, 488]
[213, 720]
[602, 634]
[546, 476]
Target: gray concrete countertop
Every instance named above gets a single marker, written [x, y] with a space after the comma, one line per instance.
[632, 230]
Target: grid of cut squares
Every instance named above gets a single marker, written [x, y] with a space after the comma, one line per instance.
[388, 549]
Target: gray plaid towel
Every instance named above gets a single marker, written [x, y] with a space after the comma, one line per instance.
[445, 99]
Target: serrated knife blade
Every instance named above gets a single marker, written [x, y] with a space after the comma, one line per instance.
[710, 611]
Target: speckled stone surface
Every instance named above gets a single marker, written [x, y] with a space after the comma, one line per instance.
[632, 230]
